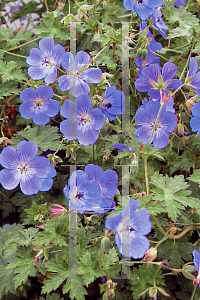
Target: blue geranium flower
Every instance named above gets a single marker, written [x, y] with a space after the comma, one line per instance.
[24, 167]
[152, 81]
[44, 61]
[144, 8]
[158, 22]
[77, 81]
[38, 104]
[82, 121]
[146, 115]
[107, 181]
[112, 103]
[82, 195]
[195, 121]
[130, 227]
[193, 77]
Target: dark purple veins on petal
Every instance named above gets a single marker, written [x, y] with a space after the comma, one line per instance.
[108, 105]
[79, 195]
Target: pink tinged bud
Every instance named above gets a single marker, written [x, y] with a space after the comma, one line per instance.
[152, 291]
[162, 291]
[189, 104]
[36, 260]
[180, 129]
[187, 270]
[164, 99]
[57, 211]
[150, 255]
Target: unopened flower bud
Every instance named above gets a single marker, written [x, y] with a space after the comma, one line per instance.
[180, 129]
[105, 245]
[139, 53]
[160, 81]
[152, 291]
[189, 104]
[187, 269]
[150, 255]
[144, 54]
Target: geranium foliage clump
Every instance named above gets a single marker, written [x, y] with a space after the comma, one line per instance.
[99, 150]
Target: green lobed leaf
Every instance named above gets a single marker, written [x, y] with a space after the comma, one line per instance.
[173, 194]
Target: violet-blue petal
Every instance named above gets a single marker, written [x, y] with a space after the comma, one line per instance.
[121, 147]
[196, 109]
[58, 54]
[196, 259]
[51, 108]
[36, 58]
[9, 178]
[138, 245]
[169, 71]
[112, 223]
[51, 75]
[65, 82]
[40, 166]
[196, 81]
[180, 3]
[68, 62]
[152, 4]
[97, 119]
[9, 158]
[92, 75]
[143, 84]
[91, 136]
[195, 124]
[30, 184]
[46, 45]
[82, 59]
[29, 94]
[27, 151]
[152, 72]
[174, 84]
[193, 68]
[37, 73]
[39, 116]
[81, 87]
[44, 92]
[27, 110]
[46, 184]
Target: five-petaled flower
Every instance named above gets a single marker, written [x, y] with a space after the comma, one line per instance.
[144, 8]
[146, 115]
[107, 181]
[24, 167]
[44, 61]
[113, 103]
[77, 80]
[82, 121]
[153, 82]
[131, 226]
[38, 104]
[82, 195]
